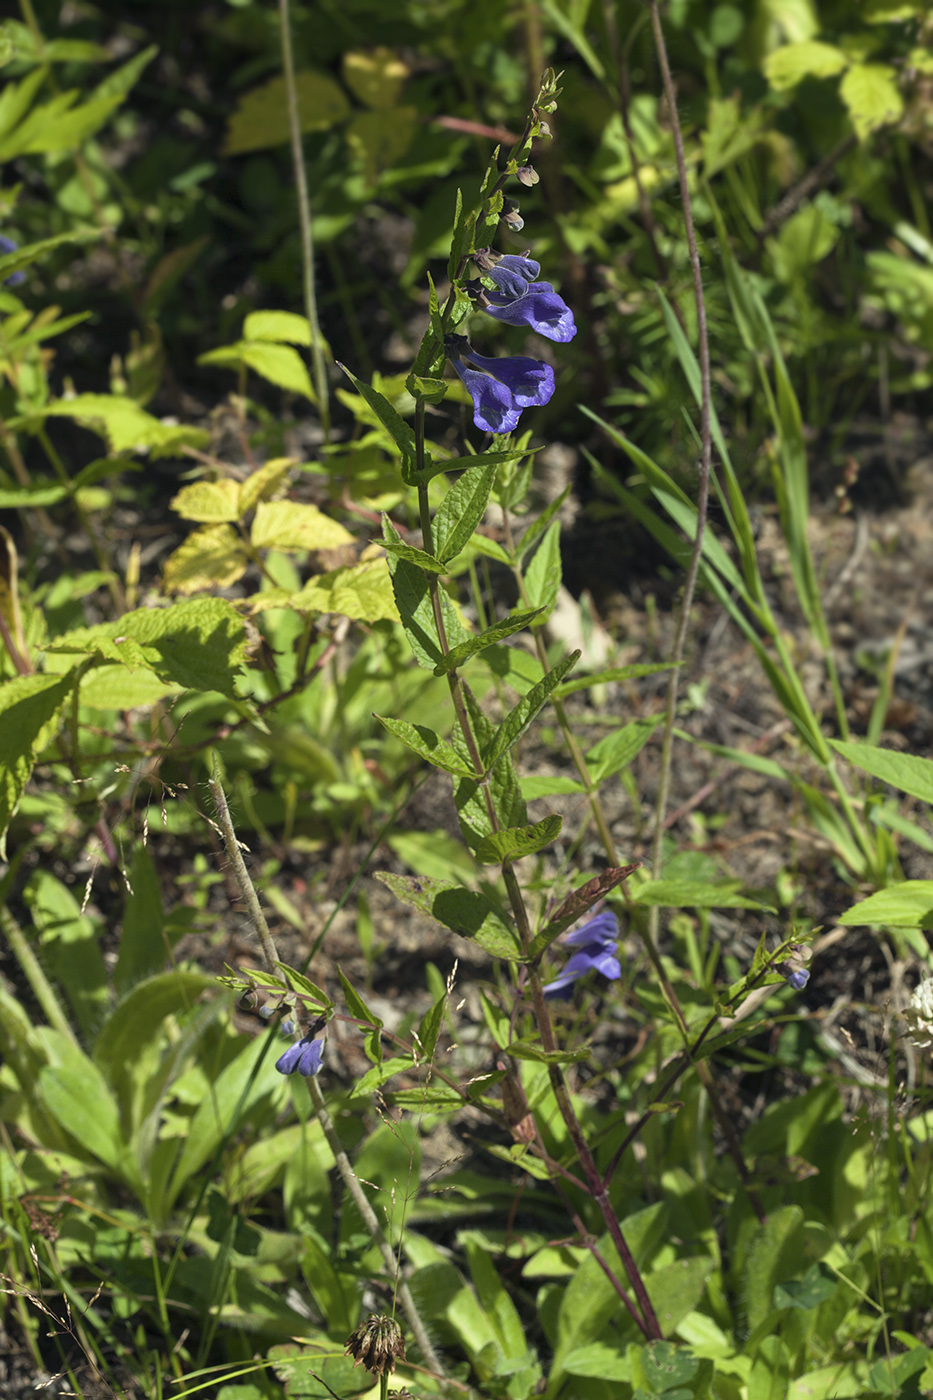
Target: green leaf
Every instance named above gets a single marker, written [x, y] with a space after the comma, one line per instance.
[470, 795]
[281, 365]
[774, 1251]
[906, 771]
[413, 600]
[539, 785]
[462, 239]
[517, 622]
[422, 740]
[199, 644]
[289, 525]
[399, 431]
[531, 1050]
[677, 1288]
[143, 947]
[818, 1285]
[872, 96]
[208, 501]
[613, 673]
[71, 949]
[538, 526]
[694, 894]
[579, 903]
[479, 459]
[908, 904]
[212, 556]
[79, 1100]
[543, 575]
[27, 705]
[790, 64]
[461, 511]
[513, 842]
[357, 1008]
[126, 426]
[278, 326]
[616, 751]
[464, 911]
[429, 1027]
[260, 118]
[418, 557]
[517, 721]
[30, 252]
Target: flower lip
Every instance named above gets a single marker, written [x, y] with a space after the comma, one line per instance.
[304, 1057]
[539, 307]
[500, 387]
[597, 944]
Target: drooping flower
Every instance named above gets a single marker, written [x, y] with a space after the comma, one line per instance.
[501, 388]
[598, 943]
[512, 272]
[539, 307]
[304, 1057]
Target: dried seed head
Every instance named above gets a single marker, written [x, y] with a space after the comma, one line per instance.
[377, 1344]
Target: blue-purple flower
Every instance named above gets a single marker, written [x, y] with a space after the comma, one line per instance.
[512, 273]
[501, 388]
[304, 1057]
[519, 299]
[598, 943]
[8, 246]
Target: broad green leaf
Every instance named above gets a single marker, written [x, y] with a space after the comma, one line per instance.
[616, 750]
[666, 1366]
[818, 1285]
[467, 912]
[600, 1361]
[774, 1253]
[208, 501]
[420, 558]
[285, 326]
[461, 511]
[871, 93]
[264, 482]
[71, 949]
[290, 525]
[579, 903]
[118, 688]
[126, 426]
[27, 705]
[790, 64]
[361, 591]
[906, 771]
[908, 904]
[496, 1303]
[517, 721]
[470, 795]
[260, 119]
[676, 1289]
[141, 1013]
[279, 364]
[543, 575]
[423, 741]
[143, 946]
[513, 842]
[79, 1100]
[213, 556]
[413, 600]
[458, 655]
[200, 644]
[57, 125]
[540, 785]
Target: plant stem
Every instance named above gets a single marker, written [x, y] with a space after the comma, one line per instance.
[35, 976]
[304, 220]
[344, 1165]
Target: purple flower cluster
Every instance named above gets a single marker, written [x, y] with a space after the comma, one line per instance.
[501, 388]
[598, 945]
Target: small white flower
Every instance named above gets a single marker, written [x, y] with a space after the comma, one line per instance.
[920, 1015]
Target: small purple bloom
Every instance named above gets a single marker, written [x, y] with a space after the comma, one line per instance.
[598, 942]
[512, 274]
[305, 1056]
[8, 246]
[798, 979]
[501, 388]
[539, 307]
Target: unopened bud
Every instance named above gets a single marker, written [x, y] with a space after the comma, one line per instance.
[527, 175]
[512, 219]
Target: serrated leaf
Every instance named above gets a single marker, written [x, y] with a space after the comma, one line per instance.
[212, 557]
[872, 96]
[27, 705]
[466, 912]
[907, 771]
[118, 688]
[362, 592]
[517, 721]
[413, 600]
[513, 842]
[356, 1006]
[579, 903]
[616, 750]
[293, 525]
[461, 511]
[462, 653]
[531, 1050]
[262, 483]
[260, 119]
[470, 795]
[423, 741]
[395, 545]
[208, 501]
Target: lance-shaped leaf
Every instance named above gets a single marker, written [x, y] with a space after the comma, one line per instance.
[424, 742]
[463, 911]
[531, 1050]
[480, 459]
[513, 842]
[413, 600]
[459, 654]
[517, 721]
[577, 904]
[614, 673]
[419, 557]
[461, 511]
[470, 795]
[617, 750]
[543, 575]
[695, 894]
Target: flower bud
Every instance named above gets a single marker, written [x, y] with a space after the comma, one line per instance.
[377, 1344]
[527, 175]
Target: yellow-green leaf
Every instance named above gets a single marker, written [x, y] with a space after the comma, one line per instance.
[280, 364]
[287, 525]
[213, 556]
[375, 76]
[260, 119]
[208, 501]
[126, 426]
[118, 688]
[789, 65]
[362, 592]
[379, 138]
[871, 94]
[277, 325]
[263, 483]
